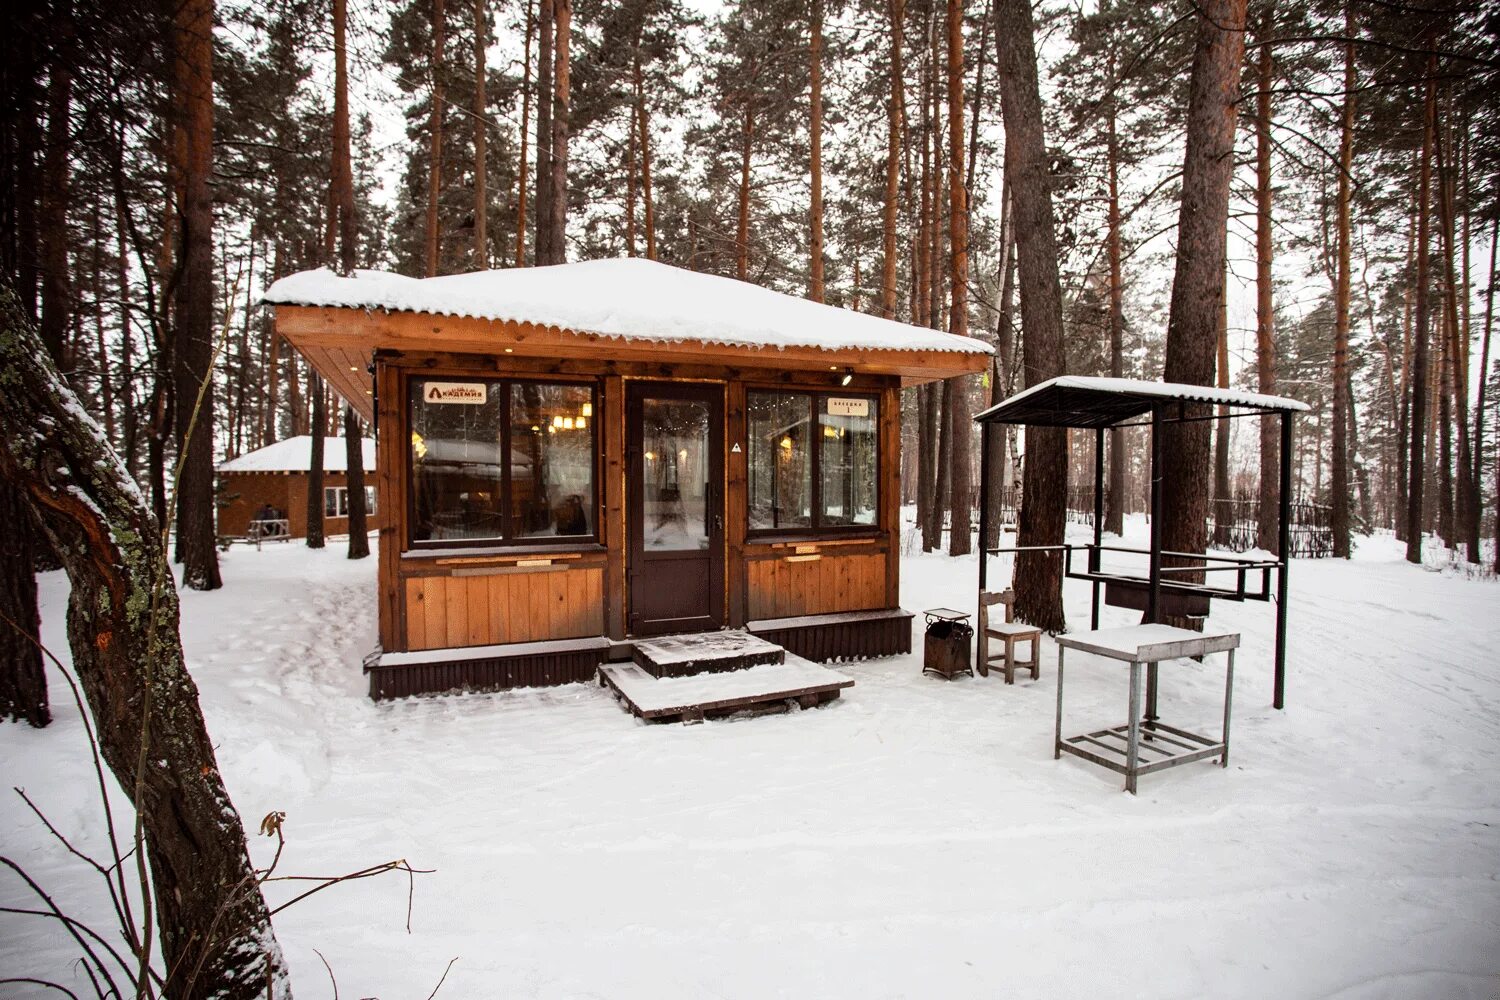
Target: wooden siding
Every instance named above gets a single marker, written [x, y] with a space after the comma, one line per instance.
[503, 606]
[784, 586]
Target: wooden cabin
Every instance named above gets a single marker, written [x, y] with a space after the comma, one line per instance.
[275, 477]
[578, 455]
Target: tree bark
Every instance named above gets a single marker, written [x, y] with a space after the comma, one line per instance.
[354, 455]
[194, 328]
[525, 125]
[1417, 463]
[315, 463]
[643, 122]
[1267, 510]
[1339, 515]
[481, 125]
[57, 279]
[23, 677]
[960, 451]
[894, 114]
[1114, 505]
[1044, 484]
[742, 227]
[435, 142]
[815, 142]
[1193, 316]
[542, 251]
[562, 12]
[1223, 502]
[215, 930]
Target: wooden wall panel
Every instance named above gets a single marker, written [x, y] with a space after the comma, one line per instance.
[390, 499]
[448, 612]
[787, 586]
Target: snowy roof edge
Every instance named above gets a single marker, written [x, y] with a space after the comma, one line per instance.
[1163, 390]
[710, 309]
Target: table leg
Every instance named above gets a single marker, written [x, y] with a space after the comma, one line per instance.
[1057, 734]
[1151, 694]
[1133, 739]
[1228, 697]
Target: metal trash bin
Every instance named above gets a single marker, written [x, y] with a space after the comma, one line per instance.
[946, 643]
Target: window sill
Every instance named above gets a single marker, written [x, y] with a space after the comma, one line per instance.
[504, 551]
[811, 537]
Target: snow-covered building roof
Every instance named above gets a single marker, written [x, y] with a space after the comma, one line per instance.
[1088, 401]
[630, 299]
[295, 455]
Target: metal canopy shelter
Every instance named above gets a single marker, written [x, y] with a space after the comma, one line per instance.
[1105, 403]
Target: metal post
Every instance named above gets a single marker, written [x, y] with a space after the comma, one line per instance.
[984, 504]
[1158, 501]
[1228, 697]
[1133, 729]
[1284, 557]
[1094, 556]
[1057, 736]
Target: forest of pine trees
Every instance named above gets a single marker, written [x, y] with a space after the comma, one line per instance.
[1295, 197]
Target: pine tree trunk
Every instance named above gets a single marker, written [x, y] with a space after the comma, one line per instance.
[742, 228]
[1044, 484]
[194, 332]
[643, 128]
[1193, 316]
[960, 450]
[895, 104]
[815, 143]
[23, 678]
[354, 454]
[1339, 515]
[1223, 502]
[1465, 520]
[542, 252]
[1417, 463]
[1484, 369]
[1403, 427]
[1267, 511]
[315, 463]
[481, 125]
[57, 282]
[562, 15]
[525, 134]
[214, 926]
[1114, 506]
[435, 141]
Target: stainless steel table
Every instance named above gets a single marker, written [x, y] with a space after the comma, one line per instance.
[1121, 748]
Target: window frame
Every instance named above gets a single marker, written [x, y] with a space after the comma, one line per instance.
[817, 529]
[507, 539]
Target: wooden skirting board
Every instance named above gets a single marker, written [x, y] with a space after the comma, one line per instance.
[846, 636]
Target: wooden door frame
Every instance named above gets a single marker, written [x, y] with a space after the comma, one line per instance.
[712, 393]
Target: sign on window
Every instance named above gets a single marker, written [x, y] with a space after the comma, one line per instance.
[840, 407]
[466, 393]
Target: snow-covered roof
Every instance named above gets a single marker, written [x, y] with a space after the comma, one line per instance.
[295, 455]
[1089, 401]
[630, 298]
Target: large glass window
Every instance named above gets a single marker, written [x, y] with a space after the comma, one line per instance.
[501, 460]
[813, 461]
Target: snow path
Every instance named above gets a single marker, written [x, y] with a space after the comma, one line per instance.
[915, 839]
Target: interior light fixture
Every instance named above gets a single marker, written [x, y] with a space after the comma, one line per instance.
[588, 409]
[848, 376]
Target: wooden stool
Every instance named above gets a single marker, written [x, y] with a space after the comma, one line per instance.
[1008, 632]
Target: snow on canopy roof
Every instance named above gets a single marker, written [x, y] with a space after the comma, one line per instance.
[295, 455]
[629, 298]
[1086, 401]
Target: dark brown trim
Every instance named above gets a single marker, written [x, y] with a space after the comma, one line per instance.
[505, 540]
[815, 501]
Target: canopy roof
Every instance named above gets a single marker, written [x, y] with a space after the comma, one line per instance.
[603, 310]
[1085, 401]
[295, 455]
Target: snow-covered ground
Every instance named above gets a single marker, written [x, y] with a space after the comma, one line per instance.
[915, 839]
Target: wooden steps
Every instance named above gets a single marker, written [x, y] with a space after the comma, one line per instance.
[768, 687]
[703, 652]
